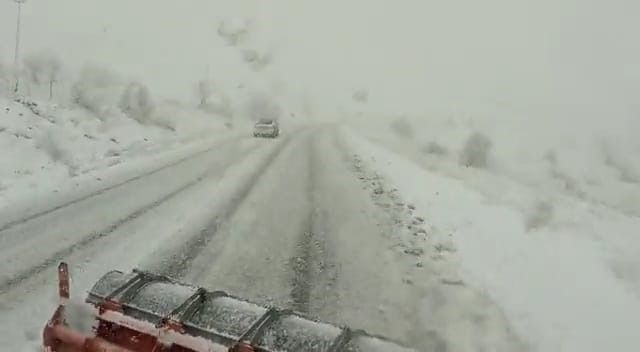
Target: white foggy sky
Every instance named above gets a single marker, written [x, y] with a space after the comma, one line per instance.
[409, 53]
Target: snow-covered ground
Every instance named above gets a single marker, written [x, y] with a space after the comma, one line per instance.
[116, 228]
[546, 222]
[309, 220]
[504, 219]
[556, 152]
[49, 150]
[380, 234]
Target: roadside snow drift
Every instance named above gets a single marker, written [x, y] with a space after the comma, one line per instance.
[563, 265]
[46, 147]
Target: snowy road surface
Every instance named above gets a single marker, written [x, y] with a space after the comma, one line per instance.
[295, 221]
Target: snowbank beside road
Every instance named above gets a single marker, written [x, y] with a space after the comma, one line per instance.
[570, 283]
[584, 156]
[48, 149]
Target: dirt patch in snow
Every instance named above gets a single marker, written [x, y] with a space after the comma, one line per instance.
[414, 231]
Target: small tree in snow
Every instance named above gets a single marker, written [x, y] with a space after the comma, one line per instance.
[257, 60]
[220, 104]
[204, 89]
[476, 151]
[213, 99]
[402, 127]
[233, 30]
[97, 90]
[136, 102]
[5, 79]
[360, 96]
[43, 67]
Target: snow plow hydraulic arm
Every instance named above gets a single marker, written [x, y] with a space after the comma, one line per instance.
[144, 312]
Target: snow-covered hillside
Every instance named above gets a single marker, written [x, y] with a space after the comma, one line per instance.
[49, 148]
[544, 216]
[584, 156]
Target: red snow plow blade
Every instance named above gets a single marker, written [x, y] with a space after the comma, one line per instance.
[144, 312]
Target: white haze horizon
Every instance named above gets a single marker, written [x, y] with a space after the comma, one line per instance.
[546, 57]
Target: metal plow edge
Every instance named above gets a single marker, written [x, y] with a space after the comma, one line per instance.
[144, 312]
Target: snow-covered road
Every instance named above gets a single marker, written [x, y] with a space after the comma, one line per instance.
[296, 222]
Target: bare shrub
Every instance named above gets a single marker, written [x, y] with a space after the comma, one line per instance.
[617, 161]
[360, 96]
[203, 89]
[53, 148]
[5, 80]
[257, 60]
[435, 149]
[234, 30]
[212, 99]
[43, 67]
[540, 216]
[402, 128]
[476, 151]
[96, 90]
[220, 104]
[567, 182]
[166, 116]
[136, 102]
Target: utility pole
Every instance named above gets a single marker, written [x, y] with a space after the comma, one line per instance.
[16, 61]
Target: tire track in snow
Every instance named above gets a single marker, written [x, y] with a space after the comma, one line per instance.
[179, 263]
[56, 257]
[301, 263]
[14, 223]
[301, 266]
[309, 263]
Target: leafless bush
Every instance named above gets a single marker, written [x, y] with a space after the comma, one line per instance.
[402, 128]
[136, 102]
[203, 89]
[540, 216]
[567, 182]
[5, 80]
[435, 149]
[360, 96]
[43, 67]
[166, 122]
[551, 157]
[233, 31]
[220, 104]
[96, 90]
[53, 148]
[255, 59]
[166, 116]
[476, 151]
[212, 99]
[627, 173]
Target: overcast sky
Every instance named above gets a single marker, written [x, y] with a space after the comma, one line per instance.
[409, 53]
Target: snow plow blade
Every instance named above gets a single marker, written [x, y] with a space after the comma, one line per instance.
[144, 312]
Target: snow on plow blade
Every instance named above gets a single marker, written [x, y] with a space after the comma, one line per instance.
[144, 312]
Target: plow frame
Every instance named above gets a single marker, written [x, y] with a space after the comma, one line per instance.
[123, 327]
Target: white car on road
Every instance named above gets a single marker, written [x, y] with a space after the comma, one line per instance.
[266, 128]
